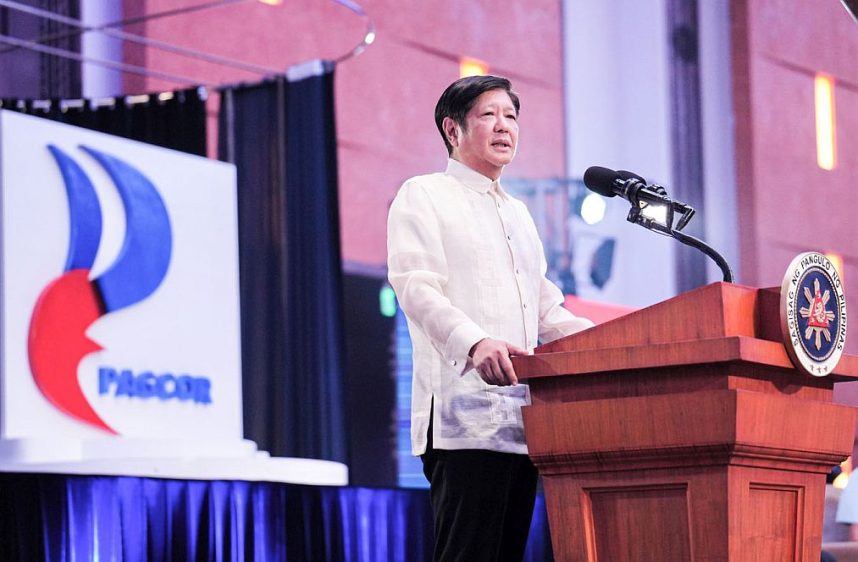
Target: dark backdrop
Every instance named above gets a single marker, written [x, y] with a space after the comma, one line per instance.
[28, 74]
[281, 137]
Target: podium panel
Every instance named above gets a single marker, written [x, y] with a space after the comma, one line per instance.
[683, 432]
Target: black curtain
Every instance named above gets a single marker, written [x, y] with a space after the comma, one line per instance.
[174, 120]
[687, 134]
[281, 137]
[60, 76]
[370, 358]
[26, 73]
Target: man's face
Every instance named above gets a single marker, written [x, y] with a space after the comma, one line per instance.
[490, 138]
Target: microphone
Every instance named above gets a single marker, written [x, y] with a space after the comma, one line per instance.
[626, 175]
[648, 201]
[628, 185]
[601, 180]
[652, 207]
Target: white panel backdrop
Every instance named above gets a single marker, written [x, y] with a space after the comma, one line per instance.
[190, 324]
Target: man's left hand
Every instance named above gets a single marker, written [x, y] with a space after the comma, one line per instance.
[491, 359]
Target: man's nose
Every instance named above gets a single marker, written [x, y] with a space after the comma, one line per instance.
[501, 124]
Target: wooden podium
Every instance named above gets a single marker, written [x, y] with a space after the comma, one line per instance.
[683, 432]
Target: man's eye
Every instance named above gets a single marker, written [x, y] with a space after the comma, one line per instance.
[513, 117]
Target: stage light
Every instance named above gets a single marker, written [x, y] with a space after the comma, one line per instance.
[134, 100]
[272, 2]
[825, 125]
[387, 301]
[369, 38]
[593, 208]
[472, 67]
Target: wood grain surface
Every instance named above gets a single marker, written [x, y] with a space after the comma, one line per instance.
[683, 432]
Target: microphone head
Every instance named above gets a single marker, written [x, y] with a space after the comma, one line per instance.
[601, 180]
[626, 175]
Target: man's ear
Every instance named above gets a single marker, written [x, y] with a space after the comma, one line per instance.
[451, 130]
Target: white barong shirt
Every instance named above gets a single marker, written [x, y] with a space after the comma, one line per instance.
[466, 263]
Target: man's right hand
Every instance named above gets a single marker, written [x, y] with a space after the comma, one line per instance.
[491, 359]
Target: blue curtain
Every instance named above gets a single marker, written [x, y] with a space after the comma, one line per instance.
[60, 518]
[281, 137]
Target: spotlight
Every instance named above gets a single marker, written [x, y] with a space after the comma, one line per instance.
[823, 86]
[592, 208]
[472, 67]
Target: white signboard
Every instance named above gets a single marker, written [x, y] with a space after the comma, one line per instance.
[120, 304]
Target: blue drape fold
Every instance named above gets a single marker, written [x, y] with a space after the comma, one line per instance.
[60, 518]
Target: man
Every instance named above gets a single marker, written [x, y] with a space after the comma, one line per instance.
[468, 269]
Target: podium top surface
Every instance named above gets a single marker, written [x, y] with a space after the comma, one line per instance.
[721, 322]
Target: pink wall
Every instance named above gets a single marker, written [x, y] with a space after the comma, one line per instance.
[386, 96]
[788, 204]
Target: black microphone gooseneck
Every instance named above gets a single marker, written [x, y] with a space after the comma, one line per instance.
[635, 190]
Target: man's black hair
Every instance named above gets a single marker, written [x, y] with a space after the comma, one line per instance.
[460, 96]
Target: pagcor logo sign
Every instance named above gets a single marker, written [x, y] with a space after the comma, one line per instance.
[71, 303]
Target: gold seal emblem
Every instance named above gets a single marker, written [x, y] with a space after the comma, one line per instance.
[813, 314]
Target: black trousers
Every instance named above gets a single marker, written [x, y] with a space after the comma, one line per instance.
[482, 502]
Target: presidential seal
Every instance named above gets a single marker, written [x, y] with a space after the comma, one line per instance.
[813, 314]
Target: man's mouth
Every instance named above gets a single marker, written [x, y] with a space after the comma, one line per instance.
[502, 144]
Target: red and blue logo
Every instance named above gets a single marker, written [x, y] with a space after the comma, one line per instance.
[72, 302]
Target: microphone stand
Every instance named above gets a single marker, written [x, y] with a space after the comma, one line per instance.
[689, 240]
[687, 211]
